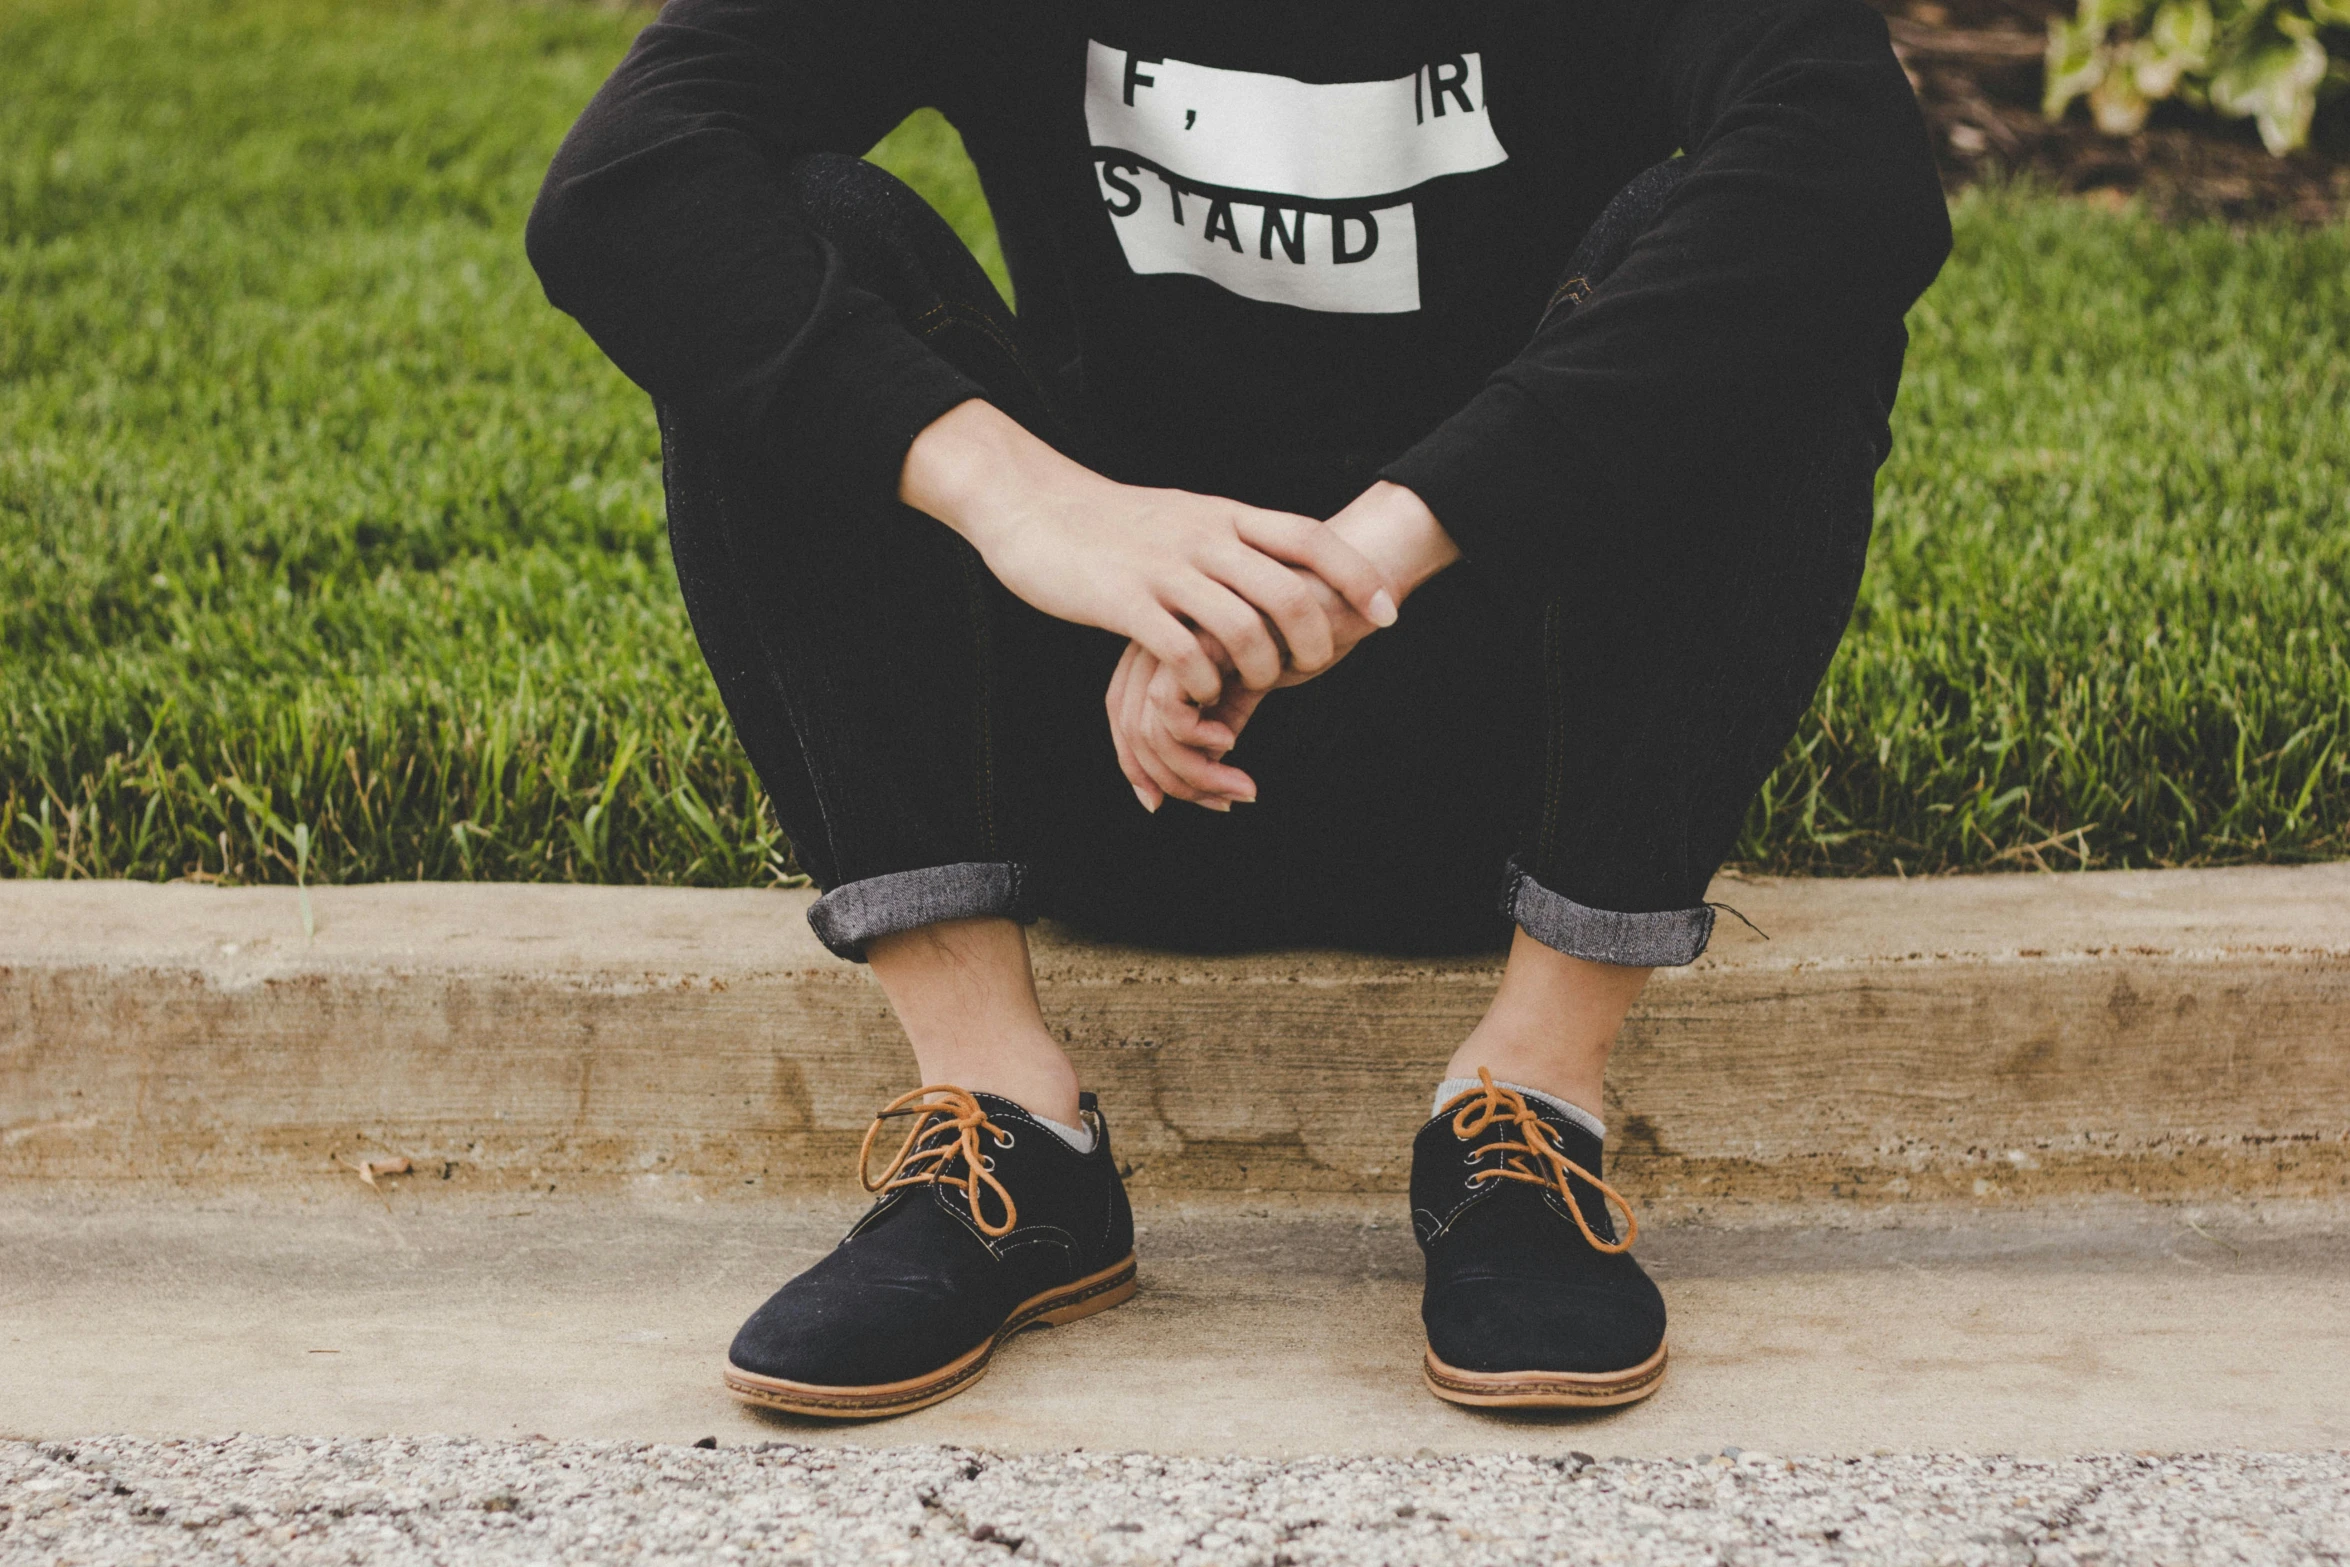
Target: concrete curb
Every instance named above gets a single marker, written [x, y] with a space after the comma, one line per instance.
[2163, 1032]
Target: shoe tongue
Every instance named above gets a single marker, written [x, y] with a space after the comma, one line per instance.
[1570, 1136]
[1559, 1111]
[1578, 1143]
[944, 1131]
[1005, 1112]
[1569, 1130]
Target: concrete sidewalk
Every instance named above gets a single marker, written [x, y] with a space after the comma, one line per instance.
[2027, 1165]
[1276, 1329]
[2159, 1033]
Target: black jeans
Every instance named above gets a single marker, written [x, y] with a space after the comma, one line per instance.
[1573, 757]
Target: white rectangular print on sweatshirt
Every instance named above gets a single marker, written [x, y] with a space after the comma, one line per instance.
[1180, 149]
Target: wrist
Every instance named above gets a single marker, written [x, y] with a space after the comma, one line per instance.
[1396, 532]
[948, 464]
[968, 461]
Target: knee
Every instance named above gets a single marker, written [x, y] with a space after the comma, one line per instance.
[1630, 213]
[892, 241]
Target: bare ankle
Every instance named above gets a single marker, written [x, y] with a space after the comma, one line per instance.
[966, 995]
[1581, 1084]
[1552, 1024]
[1035, 1075]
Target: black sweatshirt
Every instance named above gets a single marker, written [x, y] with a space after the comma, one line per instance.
[1305, 229]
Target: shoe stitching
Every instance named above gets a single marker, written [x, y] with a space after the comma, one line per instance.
[1037, 1235]
[1476, 1195]
[866, 1220]
[1637, 1378]
[1001, 1247]
[964, 1219]
[1551, 1199]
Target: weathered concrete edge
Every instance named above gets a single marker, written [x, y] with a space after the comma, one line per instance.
[2135, 1031]
[544, 930]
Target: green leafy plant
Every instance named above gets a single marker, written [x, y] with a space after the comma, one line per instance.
[2263, 60]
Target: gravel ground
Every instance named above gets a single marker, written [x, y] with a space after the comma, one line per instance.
[268, 1500]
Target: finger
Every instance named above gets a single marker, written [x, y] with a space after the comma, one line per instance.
[1136, 669]
[1184, 720]
[1134, 665]
[1236, 624]
[1238, 705]
[1114, 697]
[1146, 793]
[1216, 651]
[1196, 768]
[1135, 717]
[1283, 597]
[1176, 646]
[1237, 708]
[1164, 731]
[1181, 718]
[1190, 726]
[1133, 723]
[1304, 542]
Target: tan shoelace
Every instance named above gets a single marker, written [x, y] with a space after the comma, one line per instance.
[1482, 1106]
[953, 1110]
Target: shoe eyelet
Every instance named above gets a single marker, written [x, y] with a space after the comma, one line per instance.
[985, 1163]
[1003, 1139]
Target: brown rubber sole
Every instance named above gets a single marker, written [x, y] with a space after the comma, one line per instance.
[1095, 1292]
[1545, 1389]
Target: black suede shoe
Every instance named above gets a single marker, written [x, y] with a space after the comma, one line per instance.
[988, 1222]
[1531, 1300]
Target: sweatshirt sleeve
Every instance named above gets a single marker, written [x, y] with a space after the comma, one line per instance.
[1809, 220]
[663, 228]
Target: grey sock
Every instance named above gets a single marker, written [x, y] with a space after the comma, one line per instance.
[1451, 1087]
[1077, 1137]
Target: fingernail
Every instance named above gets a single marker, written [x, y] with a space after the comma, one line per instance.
[1382, 609]
[1142, 794]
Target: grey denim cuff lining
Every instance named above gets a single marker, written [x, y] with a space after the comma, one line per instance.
[856, 912]
[1665, 939]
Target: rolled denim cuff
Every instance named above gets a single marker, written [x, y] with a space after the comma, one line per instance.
[1665, 939]
[856, 912]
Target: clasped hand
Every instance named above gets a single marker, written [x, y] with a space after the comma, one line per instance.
[1221, 602]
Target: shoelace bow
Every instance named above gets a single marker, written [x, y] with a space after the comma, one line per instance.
[921, 1161]
[1482, 1106]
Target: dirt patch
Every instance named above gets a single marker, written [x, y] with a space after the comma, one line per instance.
[1977, 68]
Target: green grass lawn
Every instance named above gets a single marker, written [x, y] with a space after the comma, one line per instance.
[314, 515]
